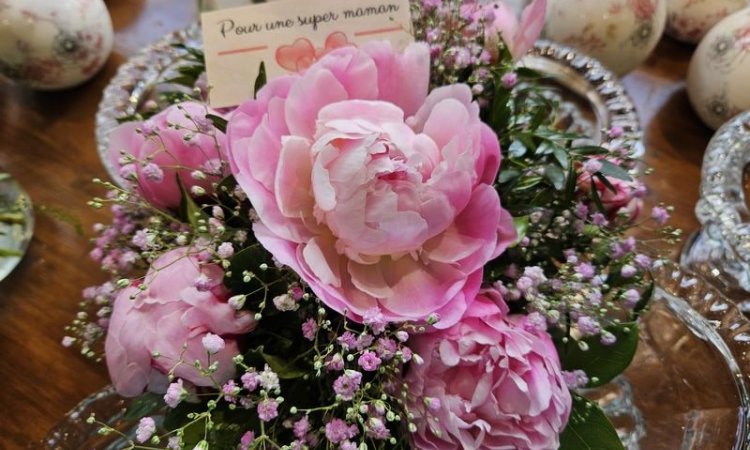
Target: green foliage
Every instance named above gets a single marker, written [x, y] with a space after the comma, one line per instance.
[190, 212]
[589, 429]
[219, 123]
[144, 405]
[602, 363]
[260, 80]
[247, 276]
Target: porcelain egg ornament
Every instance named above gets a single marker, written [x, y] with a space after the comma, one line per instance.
[690, 20]
[719, 76]
[619, 33]
[48, 45]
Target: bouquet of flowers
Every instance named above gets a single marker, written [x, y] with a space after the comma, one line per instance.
[387, 250]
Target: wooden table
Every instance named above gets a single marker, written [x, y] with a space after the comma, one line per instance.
[47, 142]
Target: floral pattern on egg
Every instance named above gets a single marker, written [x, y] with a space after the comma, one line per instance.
[690, 20]
[620, 33]
[53, 45]
[719, 70]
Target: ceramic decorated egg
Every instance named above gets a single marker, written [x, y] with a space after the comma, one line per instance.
[53, 44]
[619, 33]
[719, 74]
[690, 20]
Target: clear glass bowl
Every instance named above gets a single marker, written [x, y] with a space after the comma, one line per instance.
[686, 389]
[17, 230]
[592, 99]
[720, 251]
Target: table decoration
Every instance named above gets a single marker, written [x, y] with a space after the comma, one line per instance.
[53, 45]
[692, 332]
[16, 223]
[690, 20]
[344, 261]
[721, 249]
[620, 34]
[719, 70]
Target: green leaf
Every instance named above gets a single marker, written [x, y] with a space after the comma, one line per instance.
[522, 227]
[597, 199]
[525, 72]
[590, 150]
[143, 406]
[561, 155]
[7, 253]
[189, 210]
[645, 300]
[260, 80]
[282, 366]
[500, 110]
[589, 429]
[517, 149]
[614, 171]
[219, 122]
[507, 175]
[555, 175]
[264, 283]
[605, 181]
[602, 363]
[571, 184]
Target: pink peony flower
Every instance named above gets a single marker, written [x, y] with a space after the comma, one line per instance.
[626, 200]
[169, 313]
[162, 152]
[518, 35]
[376, 193]
[487, 382]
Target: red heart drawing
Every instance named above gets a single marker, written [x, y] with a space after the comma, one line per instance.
[334, 40]
[296, 57]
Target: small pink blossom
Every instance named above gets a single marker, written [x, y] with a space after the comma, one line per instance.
[268, 409]
[660, 215]
[509, 80]
[337, 431]
[250, 381]
[175, 394]
[310, 329]
[213, 343]
[347, 384]
[247, 440]
[146, 429]
[369, 361]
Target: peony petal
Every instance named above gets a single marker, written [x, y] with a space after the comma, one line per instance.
[369, 279]
[460, 92]
[447, 120]
[292, 182]
[532, 22]
[320, 255]
[392, 69]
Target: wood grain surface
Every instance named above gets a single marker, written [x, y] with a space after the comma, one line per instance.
[47, 143]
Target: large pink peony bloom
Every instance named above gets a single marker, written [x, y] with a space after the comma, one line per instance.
[377, 194]
[161, 152]
[170, 313]
[487, 383]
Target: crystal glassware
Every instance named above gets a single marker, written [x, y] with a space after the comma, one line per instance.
[720, 250]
